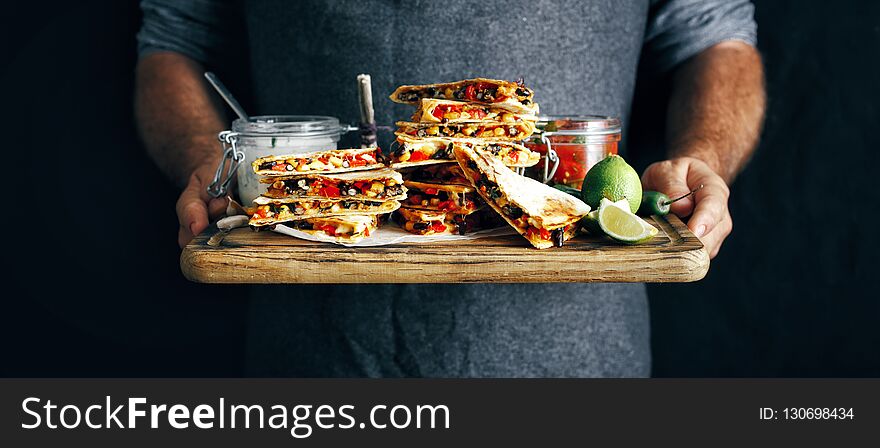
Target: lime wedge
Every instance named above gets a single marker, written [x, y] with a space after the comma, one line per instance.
[621, 224]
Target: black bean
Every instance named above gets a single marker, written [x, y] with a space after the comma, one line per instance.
[512, 211]
[558, 237]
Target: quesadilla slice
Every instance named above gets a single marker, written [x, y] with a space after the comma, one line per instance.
[273, 211]
[412, 151]
[382, 184]
[432, 222]
[543, 215]
[332, 161]
[511, 95]
[448, 111]
[452, 198]
[495, 130]
[344, 229]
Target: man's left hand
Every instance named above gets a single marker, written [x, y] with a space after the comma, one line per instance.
[710, 219]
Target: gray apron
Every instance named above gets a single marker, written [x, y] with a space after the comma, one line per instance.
[580, 57]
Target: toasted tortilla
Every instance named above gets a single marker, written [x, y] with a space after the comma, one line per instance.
[456, 130]
[452, 188]
[526, 156]
[547, 207]
[425, 113]
[465, 201]
[375, 174]
[360, 226]
[341, 153]
[381, 175]
[363, 207]
[420, 214]
[480, 218]
[518, 98]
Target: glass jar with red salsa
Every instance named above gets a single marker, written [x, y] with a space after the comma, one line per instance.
[577, 141]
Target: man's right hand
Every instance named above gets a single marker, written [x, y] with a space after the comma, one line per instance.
[178, 120]
[195, 207]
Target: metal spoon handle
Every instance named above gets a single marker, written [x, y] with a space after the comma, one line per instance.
[226, 95]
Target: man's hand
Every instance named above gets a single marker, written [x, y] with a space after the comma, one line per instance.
[715, 113]
[709, 218]
[178, 119]
[195, 207]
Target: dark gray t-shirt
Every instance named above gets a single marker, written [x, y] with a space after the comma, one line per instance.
[579, 57]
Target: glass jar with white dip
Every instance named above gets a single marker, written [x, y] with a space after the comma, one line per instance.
[269, 135]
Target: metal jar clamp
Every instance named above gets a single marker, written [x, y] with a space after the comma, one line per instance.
[551, 156]
[232, 158]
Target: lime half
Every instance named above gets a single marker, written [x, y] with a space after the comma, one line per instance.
[622, 225]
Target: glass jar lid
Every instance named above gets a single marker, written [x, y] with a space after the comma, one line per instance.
[579, 124]
[289, 125]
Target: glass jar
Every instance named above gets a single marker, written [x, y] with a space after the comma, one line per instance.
[269, 135]
[571, 145]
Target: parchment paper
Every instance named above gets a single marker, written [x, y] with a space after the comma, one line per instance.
[391, 233]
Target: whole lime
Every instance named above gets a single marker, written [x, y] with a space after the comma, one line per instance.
[612, 178]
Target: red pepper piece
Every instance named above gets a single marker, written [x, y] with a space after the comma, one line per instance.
[329, 230]
[471, 92]
[430, 191]
[438, 227]
[329, 191]
[447, 205]
[417, 156]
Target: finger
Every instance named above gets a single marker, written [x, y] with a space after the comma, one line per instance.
[712, 242]
[720, 234]
[715, 239]
[711, 208]
[717, 249]
[192, 212]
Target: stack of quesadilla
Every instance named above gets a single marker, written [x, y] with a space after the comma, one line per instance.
[339, 193]
[486, 115]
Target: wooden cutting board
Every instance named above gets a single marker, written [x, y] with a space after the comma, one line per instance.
[245, 256]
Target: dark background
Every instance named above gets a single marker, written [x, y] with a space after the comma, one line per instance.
[789, 295]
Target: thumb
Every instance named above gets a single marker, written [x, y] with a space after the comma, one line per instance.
[192, 211]
[671, 180]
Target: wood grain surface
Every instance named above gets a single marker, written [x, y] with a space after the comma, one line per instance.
[245, 256]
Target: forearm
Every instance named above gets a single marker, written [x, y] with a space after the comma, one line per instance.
[177, 116]
[716, 107]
